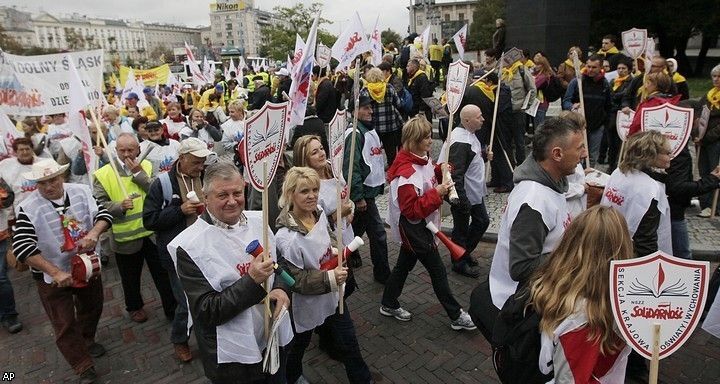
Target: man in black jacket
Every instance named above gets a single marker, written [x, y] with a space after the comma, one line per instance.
[419, 86]
[170, 208]
[284, 86]
[326, 98]
[261, 94]
[224, 289]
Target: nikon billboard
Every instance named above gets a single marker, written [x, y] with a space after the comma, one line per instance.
[227, 6]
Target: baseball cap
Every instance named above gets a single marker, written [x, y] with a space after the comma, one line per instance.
[132, 95]
[195, 147]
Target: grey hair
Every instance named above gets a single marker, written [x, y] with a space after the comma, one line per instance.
[127, 134]
[715, 71]
[223, 170]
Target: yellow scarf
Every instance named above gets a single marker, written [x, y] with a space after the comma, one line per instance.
[419, 71]
[488, 90]
[678, 78]
[377, 91]
[569, 63]
[618, 82]
[610, 51]
[529, 63]
[713, 97]
[509, 73]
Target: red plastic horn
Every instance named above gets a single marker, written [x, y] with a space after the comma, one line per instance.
[350, 248]
[456, 251]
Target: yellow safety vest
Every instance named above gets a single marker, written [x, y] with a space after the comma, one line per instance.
[266, 78]
[251, 83]
[129, 227]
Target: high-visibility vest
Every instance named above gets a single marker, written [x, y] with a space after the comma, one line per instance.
[251, 83]
[131, 226]
[266, 78]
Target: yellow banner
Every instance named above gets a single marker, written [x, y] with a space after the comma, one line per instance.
[150, 76]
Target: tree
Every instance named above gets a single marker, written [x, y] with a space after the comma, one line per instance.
[483, 24]
[162, 54]
[297, 19]
[389, 36]
[9, 44]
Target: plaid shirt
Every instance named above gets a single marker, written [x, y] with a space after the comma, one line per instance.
[386, 117]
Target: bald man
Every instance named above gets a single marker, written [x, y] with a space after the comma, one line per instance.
[470, 216]
[131, 241]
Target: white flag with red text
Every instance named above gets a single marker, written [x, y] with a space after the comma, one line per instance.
[460, 38]
[77, 122]
[376, 47]
[197, 76]
[351, 43]
[297, 53]
[301, 77]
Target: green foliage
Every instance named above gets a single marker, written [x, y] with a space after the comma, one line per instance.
[483, 24]
[10, 45]
[389, 36]
[298, 19]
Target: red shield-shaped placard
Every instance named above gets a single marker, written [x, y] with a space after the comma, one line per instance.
[623, 122]
[322, 55]
[634, 42]
[265, 141]
[456, 81]
[658, 288]
[672, 121]
[336, 140]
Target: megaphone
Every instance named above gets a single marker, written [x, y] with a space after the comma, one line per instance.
[456, 251]
[350, 248]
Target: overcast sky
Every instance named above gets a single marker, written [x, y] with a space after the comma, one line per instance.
[393, 13]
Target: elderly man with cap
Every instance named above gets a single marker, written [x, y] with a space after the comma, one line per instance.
[284, 86]
[56, 232]
[131, 100]
[367, 182]
[132, 243]
[173, 203]
[261, 95]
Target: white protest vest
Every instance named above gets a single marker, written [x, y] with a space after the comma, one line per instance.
[220, 255]
[475, 187]
[173, 127]
[631, 194]
[233, 132]
[46, 220]
[423, 179]
[162, 157]
[57, 132]
[576, 196]
[372, 153]
[201, 134]
[308, 252]
[327, 200]
[554, 212]
[11, 171]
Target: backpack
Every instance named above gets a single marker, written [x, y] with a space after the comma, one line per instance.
[516, 342]
[406, 100]
[554, 89]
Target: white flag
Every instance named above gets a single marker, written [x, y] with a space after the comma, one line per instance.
[197, 75]
[129, 84]
[460, 38]
[297, 54]
[289, 65]
[241, 64]
[376, 44]
[206, 70]
[300, 87]
[8, 133]
[77, 122]
[425, 41]
[351, 43]
[232, 67]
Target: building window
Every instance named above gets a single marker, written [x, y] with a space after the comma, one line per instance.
[218, 34]
[461, 16]
[228, 26]
[447, 17]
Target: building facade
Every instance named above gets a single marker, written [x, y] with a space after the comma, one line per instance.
[236, 26]
[445, 18]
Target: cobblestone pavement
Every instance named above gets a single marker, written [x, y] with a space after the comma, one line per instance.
[424, 350]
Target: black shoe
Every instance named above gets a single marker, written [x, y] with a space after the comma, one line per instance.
[12, 324]
[96, 350]
[88, 377]
[466, 269]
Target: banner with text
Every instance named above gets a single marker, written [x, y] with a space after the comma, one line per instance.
[149, 77]
[39, 85]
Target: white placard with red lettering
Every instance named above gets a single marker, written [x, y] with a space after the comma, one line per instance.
[336, 140]
[265, 141]
[622, 122]
[323, 55]
[672, 121]
[658, 288]
[456, 81]
[634, 42]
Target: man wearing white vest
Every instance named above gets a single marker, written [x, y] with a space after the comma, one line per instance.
[132, 243]
[535, 217]
[55, 224]
[223, 283]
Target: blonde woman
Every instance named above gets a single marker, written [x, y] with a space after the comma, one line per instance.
[305, 242]
[234, 128]
[634, 190]
[570, 293]
[657, 90]
[566, 69]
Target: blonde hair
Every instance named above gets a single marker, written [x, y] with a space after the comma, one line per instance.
[374, 75]
[578, 269]
[300, 149]
[293, 178]
[238, 104]
[662, 81]
[415, 131]
[641, 150]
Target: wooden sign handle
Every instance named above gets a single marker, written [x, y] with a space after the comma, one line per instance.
[655, 361]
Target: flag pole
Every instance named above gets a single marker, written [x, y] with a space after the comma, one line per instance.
[356, 95]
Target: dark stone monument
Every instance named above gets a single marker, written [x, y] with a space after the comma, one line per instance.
[551, 26]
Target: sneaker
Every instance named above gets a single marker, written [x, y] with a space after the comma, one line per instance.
[138, 316]
[96, 349]
[463, 322]
[88, 377]
[12, 324]
[704, 213]
[466, 269]
[182, 351]
[398, 313]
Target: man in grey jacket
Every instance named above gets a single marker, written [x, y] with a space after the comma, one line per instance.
[523, 92]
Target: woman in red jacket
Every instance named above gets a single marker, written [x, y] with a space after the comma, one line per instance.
[656, 87]
[415, 197]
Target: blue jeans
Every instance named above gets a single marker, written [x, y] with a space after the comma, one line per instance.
[7, 295]
[179, 333]
[345, 341]
[470, 226]
[680, 239]
[709, 155]
[370, 221]
[594, 139]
